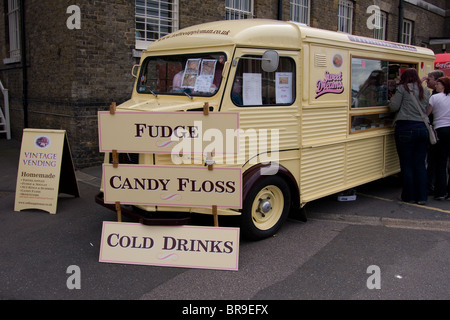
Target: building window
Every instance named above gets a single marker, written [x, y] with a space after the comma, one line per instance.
[380, 26]
[345, 16]
[300, 11]
[14, 32]
[155, 19]
[407, 31]
[238, 9]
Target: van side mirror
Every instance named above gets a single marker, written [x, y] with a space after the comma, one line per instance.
[270, 61]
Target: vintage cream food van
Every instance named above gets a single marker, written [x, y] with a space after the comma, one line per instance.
[315, 101]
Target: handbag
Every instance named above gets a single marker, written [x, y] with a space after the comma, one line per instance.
[432, 134]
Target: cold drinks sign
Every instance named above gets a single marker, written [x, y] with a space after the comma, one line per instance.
[188, 247]
[182, 186]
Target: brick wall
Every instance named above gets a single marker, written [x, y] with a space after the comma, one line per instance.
[72, 74]
[194, 12]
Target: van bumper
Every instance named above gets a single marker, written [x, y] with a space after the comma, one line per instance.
[149, 219]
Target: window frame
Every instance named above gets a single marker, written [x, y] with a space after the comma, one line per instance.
[257, 60]
[380, 33]
[160, 22]
[239, 9]
[345, 16]
[407, 35]
[382, 111]
[13, 25]
[300, 11]
[353, 58]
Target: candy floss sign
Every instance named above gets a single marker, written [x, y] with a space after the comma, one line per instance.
[331, 84]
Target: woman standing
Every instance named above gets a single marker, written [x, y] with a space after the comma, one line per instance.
[411, 135]
[440, 107]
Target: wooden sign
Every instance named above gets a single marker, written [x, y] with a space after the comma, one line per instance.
[45, 170]
[173, 186]
[159, 132]
[184, 247]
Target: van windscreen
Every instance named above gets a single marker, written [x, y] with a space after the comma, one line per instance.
[194, 74]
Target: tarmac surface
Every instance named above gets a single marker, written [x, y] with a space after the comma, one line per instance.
[325, 258]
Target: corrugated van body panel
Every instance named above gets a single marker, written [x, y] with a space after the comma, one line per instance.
[364, 160]
[267, 125]
[324, 124]
[392, 162]
[327, 169]
[261, 130]
[322, 170]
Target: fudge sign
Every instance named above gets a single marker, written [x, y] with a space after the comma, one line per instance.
[159, 132]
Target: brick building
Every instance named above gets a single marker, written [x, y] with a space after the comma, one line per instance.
[64, 60]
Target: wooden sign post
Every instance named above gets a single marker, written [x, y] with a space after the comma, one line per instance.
[169, 186]
[210, 162]
[115, 156]
[45, 170]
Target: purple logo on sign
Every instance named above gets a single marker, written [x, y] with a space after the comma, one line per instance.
[331, 84]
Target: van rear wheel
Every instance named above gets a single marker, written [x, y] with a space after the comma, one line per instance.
[265, 208]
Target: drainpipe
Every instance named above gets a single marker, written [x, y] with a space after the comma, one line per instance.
[24, 64]
[400, 21]
[280, 9]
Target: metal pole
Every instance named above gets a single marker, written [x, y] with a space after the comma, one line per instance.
[24, 64]
[280, 9]
[400, 21]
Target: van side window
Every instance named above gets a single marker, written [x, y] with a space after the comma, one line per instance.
[373, 83]
[369, 83]
[254, 87]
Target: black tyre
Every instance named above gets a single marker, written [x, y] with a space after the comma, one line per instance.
[265, 208]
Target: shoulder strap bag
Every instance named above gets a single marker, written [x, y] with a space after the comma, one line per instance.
[431, 132]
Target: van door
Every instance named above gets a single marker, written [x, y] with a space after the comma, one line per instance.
[266, 100]
[268, 105]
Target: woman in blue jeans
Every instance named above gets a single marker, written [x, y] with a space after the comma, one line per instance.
[411, 136]
[440, 107]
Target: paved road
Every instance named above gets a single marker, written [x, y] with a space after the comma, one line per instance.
[326, 258]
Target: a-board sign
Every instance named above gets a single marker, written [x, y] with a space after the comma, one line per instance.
[45, 170]
[172, 186]
[187, 246]
[159, 132]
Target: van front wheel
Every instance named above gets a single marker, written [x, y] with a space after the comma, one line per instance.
[265, 208]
